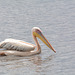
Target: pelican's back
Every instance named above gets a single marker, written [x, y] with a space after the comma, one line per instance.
[12, 44]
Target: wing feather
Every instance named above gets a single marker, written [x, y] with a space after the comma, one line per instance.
[12, 44]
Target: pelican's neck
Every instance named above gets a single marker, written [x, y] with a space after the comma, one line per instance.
[37, 43]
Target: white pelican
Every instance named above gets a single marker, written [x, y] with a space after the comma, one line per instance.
[21, 48]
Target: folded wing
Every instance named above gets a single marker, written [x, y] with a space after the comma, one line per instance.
[12, 44]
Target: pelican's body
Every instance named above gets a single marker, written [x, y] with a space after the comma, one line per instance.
[21, 48]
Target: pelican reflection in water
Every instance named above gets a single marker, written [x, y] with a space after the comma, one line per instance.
[21, 48]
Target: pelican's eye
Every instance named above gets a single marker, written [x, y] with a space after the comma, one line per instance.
[38, 31]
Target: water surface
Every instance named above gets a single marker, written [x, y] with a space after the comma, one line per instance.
[56, 18]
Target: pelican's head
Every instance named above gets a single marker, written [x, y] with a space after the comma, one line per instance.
[38, 33]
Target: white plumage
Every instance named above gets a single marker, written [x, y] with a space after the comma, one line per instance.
[13, 44]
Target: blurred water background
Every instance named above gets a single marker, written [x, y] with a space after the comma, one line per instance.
[56, 19]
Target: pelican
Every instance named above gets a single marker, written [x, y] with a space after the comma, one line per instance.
[21, 48]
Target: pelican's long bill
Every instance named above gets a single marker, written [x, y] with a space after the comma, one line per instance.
[41, 37]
